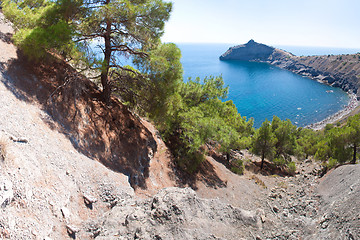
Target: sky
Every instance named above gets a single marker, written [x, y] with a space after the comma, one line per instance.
[325, 23]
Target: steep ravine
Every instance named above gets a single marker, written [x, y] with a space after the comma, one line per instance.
[52, 189]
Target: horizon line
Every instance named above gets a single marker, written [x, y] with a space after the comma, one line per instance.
[269, 44]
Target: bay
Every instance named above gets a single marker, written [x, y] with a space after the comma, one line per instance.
[261, 91]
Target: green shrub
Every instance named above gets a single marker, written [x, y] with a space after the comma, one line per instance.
[190, 163]
[200, 115]
[291, 168]
[331, 163]
[328, 127]
[279, 161]
[238, 167]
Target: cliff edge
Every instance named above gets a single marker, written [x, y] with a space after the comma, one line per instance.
[341, 71]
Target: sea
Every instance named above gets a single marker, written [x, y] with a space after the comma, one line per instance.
[260, 91]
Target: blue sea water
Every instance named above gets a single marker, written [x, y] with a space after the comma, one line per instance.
[261, 91]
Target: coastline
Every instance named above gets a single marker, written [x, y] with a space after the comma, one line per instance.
[340, 116]
[342, 71]
[352, 108]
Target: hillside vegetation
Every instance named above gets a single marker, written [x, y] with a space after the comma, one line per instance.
[52, 187]
[187, 114]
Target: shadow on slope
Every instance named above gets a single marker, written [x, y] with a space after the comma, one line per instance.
[110, 134]
[206, 174]
[5, 37]
[251, 163]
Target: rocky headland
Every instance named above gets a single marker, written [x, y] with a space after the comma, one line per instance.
[341, 71]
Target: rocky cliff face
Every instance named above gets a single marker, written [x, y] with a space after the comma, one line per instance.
[339, 71]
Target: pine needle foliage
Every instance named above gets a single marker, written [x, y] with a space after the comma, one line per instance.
[92, 33]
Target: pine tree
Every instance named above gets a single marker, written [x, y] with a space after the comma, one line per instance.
[42, 26]
[353, 124]
[264, 141]
[339, 144]
[121, 28]
[129, 28]
[284, 132]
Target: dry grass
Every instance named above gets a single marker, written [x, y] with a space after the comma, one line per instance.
[282, 185]
[258, 181]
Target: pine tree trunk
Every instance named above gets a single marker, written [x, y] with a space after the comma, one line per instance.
[105, 81]
[262, 160]
[354, 156]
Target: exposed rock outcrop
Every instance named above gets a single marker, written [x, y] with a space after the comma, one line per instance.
[340, 208]
[293, 208]
[177, 213]
[339, 71]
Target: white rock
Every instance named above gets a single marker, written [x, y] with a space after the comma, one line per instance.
[29, 194]
[65, 212]
[72, 229]
[89, 199]
[6, 192]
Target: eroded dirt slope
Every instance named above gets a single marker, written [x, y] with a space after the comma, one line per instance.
[60, 152]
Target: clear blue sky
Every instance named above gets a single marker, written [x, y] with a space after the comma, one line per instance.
[328, 23]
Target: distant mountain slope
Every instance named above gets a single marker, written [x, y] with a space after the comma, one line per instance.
[339, 71]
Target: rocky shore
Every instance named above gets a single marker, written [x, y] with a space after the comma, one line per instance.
[340, 115]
